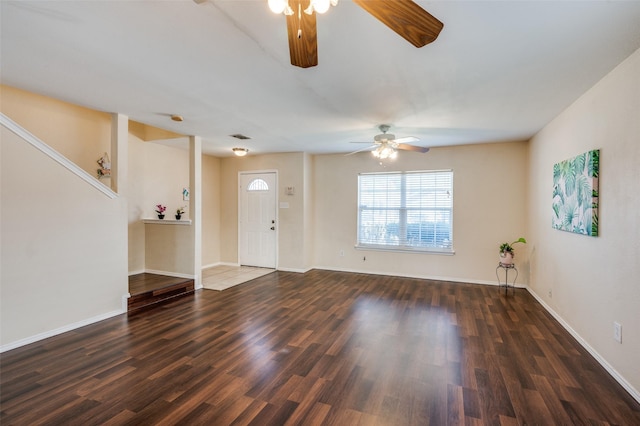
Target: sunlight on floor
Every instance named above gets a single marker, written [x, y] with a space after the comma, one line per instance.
[224, 276]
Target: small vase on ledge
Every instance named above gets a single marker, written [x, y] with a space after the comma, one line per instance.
[160, 216]
[178, 216]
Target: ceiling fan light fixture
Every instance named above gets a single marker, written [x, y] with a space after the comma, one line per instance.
[278, 6]
[240, 152]
[385, 151]
[321, 6]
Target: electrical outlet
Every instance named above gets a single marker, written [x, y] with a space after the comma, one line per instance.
[550, 294]
[617, 332]
[341, 253]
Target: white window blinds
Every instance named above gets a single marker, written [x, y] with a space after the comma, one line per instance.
[406, 210]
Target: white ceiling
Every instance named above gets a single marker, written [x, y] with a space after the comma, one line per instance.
[499, 71]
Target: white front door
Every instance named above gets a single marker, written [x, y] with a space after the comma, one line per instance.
[257, 219]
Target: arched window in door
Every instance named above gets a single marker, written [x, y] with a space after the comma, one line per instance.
[258, 185]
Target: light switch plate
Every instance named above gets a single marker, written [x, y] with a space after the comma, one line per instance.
[617, 332]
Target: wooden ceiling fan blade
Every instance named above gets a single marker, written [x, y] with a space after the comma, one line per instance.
[303, 37]
[406, 18]
[406, 147]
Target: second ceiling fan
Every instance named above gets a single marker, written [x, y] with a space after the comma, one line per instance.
[386, 145]
[404, 17]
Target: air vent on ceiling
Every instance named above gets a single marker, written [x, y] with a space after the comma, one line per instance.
[240, 136]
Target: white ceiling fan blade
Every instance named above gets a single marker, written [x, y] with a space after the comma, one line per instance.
[360, 150]
[407, 139]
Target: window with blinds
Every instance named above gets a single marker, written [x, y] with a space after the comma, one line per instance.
[410, 211]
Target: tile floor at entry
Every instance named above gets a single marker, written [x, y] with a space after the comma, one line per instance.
[224, 276]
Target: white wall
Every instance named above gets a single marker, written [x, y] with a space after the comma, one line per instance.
[63, 246]
[594, 280]
[489, 208]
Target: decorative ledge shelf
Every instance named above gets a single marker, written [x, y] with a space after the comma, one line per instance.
[167, 221]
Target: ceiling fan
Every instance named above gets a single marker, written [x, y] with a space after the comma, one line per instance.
[405, 17]
[386, 145]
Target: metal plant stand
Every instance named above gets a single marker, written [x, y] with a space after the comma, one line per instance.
[507, 268]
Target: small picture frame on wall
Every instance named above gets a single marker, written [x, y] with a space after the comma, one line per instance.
[185, 194]
[575, 194]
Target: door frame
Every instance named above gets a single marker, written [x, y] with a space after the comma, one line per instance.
[276, 205]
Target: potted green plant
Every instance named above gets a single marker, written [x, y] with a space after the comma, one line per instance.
[507, 252]
[179, 212]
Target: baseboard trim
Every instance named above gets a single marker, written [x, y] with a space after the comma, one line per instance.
[125, 302]
[213, 265]
[417, 276]
[603, 362]
[296, 270]
[59, 330]
[170, 274]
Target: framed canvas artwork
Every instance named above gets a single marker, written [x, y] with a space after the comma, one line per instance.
[575, 194]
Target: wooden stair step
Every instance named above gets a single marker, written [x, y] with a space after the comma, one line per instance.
[148, 289]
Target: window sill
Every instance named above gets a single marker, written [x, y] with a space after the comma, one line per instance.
[442, 251]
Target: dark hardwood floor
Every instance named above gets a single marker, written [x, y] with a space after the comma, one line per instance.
[318, 348]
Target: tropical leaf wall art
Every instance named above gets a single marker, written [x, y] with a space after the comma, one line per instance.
[575, 194]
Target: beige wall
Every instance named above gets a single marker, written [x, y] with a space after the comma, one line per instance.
[157, 174]
[63, 241]
[210, 210]
[137, 205]
[501, 192]
[150, 133]
[63, 246]
[166, 173]
[290, 167]
[309, 215]
[80, 134]
[321, 218]
[594, 280]
[489, 208]
[169, 248]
